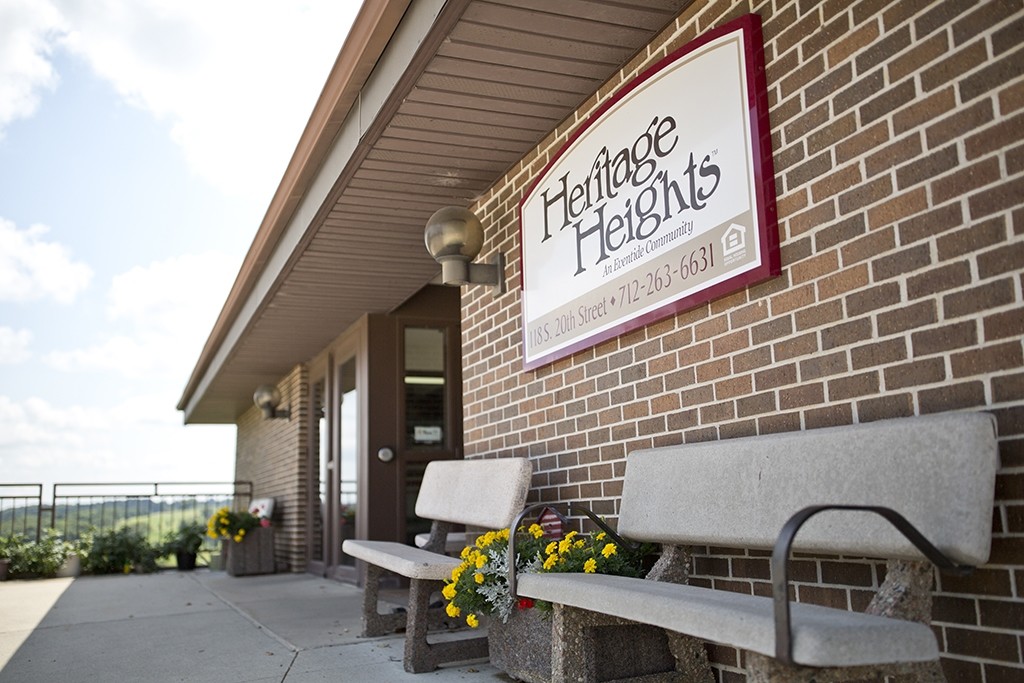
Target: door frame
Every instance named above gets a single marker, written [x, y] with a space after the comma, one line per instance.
[327, 367]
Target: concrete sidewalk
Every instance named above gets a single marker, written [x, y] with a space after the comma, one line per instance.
[199, 626]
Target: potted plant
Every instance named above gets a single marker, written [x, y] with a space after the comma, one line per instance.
[184, 544]
[248, 541]
[519, 632]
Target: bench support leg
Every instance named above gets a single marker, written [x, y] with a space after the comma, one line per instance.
[375, 623]
[574, 655]
[906, 592]
[421, 656]
[762, 669]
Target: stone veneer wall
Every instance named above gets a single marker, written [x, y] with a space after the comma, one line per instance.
[897, 130]
[272, 454]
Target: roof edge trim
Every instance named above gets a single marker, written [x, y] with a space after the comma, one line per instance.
[370, 34]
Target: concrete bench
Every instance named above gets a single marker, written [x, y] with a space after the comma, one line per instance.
[476, 493]
[843, 488]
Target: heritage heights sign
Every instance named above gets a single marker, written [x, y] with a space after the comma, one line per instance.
[663, 200]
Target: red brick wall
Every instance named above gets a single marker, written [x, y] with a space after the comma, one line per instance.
[897, 130]
[273, 455]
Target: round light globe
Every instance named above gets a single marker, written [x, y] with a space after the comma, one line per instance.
[454, 237]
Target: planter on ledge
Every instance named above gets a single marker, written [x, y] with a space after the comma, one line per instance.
[254, 555]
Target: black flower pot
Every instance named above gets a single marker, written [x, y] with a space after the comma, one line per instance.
[186, 561]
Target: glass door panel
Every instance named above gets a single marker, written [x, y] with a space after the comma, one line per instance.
[348, 452]
[322, 449]
[426, 426]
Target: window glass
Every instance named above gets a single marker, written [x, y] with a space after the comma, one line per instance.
[424, 381]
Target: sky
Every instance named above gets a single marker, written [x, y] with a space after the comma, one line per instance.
[140, 144]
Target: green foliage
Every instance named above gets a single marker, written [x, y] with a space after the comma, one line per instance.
[187, 539]
[35, 558]
[119, 550]
[9, 544]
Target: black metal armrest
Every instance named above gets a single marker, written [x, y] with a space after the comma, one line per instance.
[575, 508]
[512, 544]
[780, 556]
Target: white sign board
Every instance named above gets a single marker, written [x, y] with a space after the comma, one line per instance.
[663, 200]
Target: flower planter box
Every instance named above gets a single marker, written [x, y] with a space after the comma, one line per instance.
[522, 648]
[254, 555]
[4, 564]
[71, 568]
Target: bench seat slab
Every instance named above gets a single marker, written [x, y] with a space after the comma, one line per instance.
[822, 636]
[404, 560]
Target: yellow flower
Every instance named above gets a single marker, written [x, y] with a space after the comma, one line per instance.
[590, 566]
[481, 561]
[601, 536]
[578, 544]
[563, 546]
[536, 530]
[465, 552]
[569, 536]
[457, 572]
[550, 561]
[478, 577]
[486, 539]
[238, 538]
[452, 610]
[552, 547]
[448, 591]
[608, 550]
[472, 620]
[502, 535]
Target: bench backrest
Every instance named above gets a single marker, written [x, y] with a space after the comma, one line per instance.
[480, 493]
[937, 471]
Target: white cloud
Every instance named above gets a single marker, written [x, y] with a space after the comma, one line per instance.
[166, 309]
[14, 346]
[236, 79]
[42, 442]
[32, 268]
[27, 29]
[41, 435]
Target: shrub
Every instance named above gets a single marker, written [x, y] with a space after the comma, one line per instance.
[41, 558]
[119, 550]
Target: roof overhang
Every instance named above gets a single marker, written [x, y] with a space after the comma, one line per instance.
[428, 104]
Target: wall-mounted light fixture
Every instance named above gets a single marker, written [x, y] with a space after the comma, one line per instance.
[454, 237]
[267, 398]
